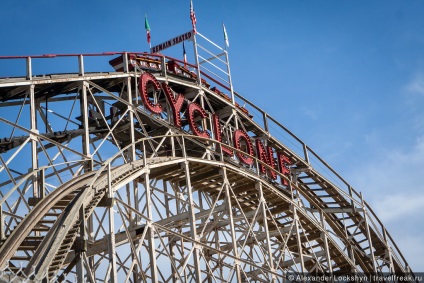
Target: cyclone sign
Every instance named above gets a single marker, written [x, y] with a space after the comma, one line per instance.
[241, 140]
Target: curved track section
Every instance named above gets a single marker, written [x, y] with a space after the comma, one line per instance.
[149, 174]
[254, 204]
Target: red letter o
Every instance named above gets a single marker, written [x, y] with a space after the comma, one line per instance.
[239, 134]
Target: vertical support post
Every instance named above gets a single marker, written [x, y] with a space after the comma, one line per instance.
[150, 233]
[235, 116]
[192, 219]
[351, 254]
[144, 152]
[86, 136]
[131, 118]
[163, 65]
[80, 263]
[173, 146]
[136, 76]
[299, 241]
[352, 199]
[196, 55]
[349, 247]
[265, 225]
[367, 228]
[233, 100]
[305, 152]
[204, 121]
[230, 215]
[81, 65]
[47, 115]
[33, 125]
[88, 166]
[265, 117]
[326, 246]
[42, 183]
[2, 235]
[171, 243]
[131, 150]
[112, 247]
[125, 61]
[28, 68]
[389, 250]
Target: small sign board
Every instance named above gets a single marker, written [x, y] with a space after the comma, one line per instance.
[174, 41]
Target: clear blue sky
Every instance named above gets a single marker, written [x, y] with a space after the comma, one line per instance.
[345, 76]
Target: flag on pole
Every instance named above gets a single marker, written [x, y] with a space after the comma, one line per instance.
[192, 17]
[147, 27]
[185, 56]
[227, 43]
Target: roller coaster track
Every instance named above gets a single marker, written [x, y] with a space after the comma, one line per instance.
[51, 252]
[228, 221]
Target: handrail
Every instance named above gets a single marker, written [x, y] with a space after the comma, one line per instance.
[67, 55]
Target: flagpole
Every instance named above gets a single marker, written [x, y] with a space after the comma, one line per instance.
[184, 56]
[147, 27]
[196, 55]
[228, 63]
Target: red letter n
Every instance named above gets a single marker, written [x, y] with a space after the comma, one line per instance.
[283, 164]
[266, 157]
